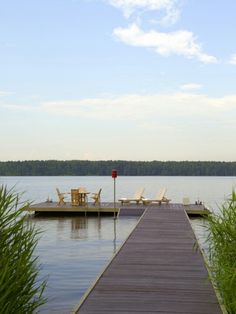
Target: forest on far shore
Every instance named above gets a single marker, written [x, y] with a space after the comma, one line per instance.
[124, 168]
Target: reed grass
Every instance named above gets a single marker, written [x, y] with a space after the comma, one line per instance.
[21, 291]
[222, 251]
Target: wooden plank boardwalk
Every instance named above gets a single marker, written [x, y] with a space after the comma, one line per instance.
[157, 270]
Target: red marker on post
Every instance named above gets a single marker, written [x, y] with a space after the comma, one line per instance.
[114, 173]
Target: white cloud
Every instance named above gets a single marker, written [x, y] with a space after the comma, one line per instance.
[136, 107]
[180, 43]
[190, 86]
[233, 59]
[145, 108]
[129, 7]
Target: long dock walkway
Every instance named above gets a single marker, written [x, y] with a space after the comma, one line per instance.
[157, 270]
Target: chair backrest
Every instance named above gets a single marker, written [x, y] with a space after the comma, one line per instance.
[60, 197]
[161, 194]
[97, 197]
[139, 193]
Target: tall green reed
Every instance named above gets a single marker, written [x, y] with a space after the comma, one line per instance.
[21, 291]
[222, 251]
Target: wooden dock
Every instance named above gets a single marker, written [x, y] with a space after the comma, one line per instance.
[157, 270]
[54, 208]
[108, 208]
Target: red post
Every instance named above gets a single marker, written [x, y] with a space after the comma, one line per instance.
[114, 176]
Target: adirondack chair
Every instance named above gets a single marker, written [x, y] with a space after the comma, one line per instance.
[136, 198]
[160, 198]
[61, 197]
[97, 197]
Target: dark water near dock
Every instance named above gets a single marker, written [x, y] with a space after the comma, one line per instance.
[74, 250]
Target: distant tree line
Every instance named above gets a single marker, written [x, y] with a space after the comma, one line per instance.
[124, 168]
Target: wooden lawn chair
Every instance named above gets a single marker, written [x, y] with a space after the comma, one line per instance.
[138, 196]
[61, 197]
[160, 198]
[97, 197]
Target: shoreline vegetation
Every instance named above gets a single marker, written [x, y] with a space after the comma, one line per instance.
[222, 252]
[21, 289]
[124, 168]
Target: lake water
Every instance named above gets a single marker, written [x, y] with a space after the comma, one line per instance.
[74, 250]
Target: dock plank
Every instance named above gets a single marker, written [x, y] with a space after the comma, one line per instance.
[157, 270]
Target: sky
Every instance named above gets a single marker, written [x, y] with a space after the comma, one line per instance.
[118, 80]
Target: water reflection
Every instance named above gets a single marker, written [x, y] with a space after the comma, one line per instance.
[72, 251]
[200, 227]
[79, 227]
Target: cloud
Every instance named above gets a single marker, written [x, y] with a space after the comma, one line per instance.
[181, 43]
[145, 108]
[136, 107]
[190, 86]
[233, 59]
[169, 7]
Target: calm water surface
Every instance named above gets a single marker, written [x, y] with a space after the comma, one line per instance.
[74, 250]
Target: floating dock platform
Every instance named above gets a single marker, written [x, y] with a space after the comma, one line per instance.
[54, 208]
[109, 208]
[157, 270]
